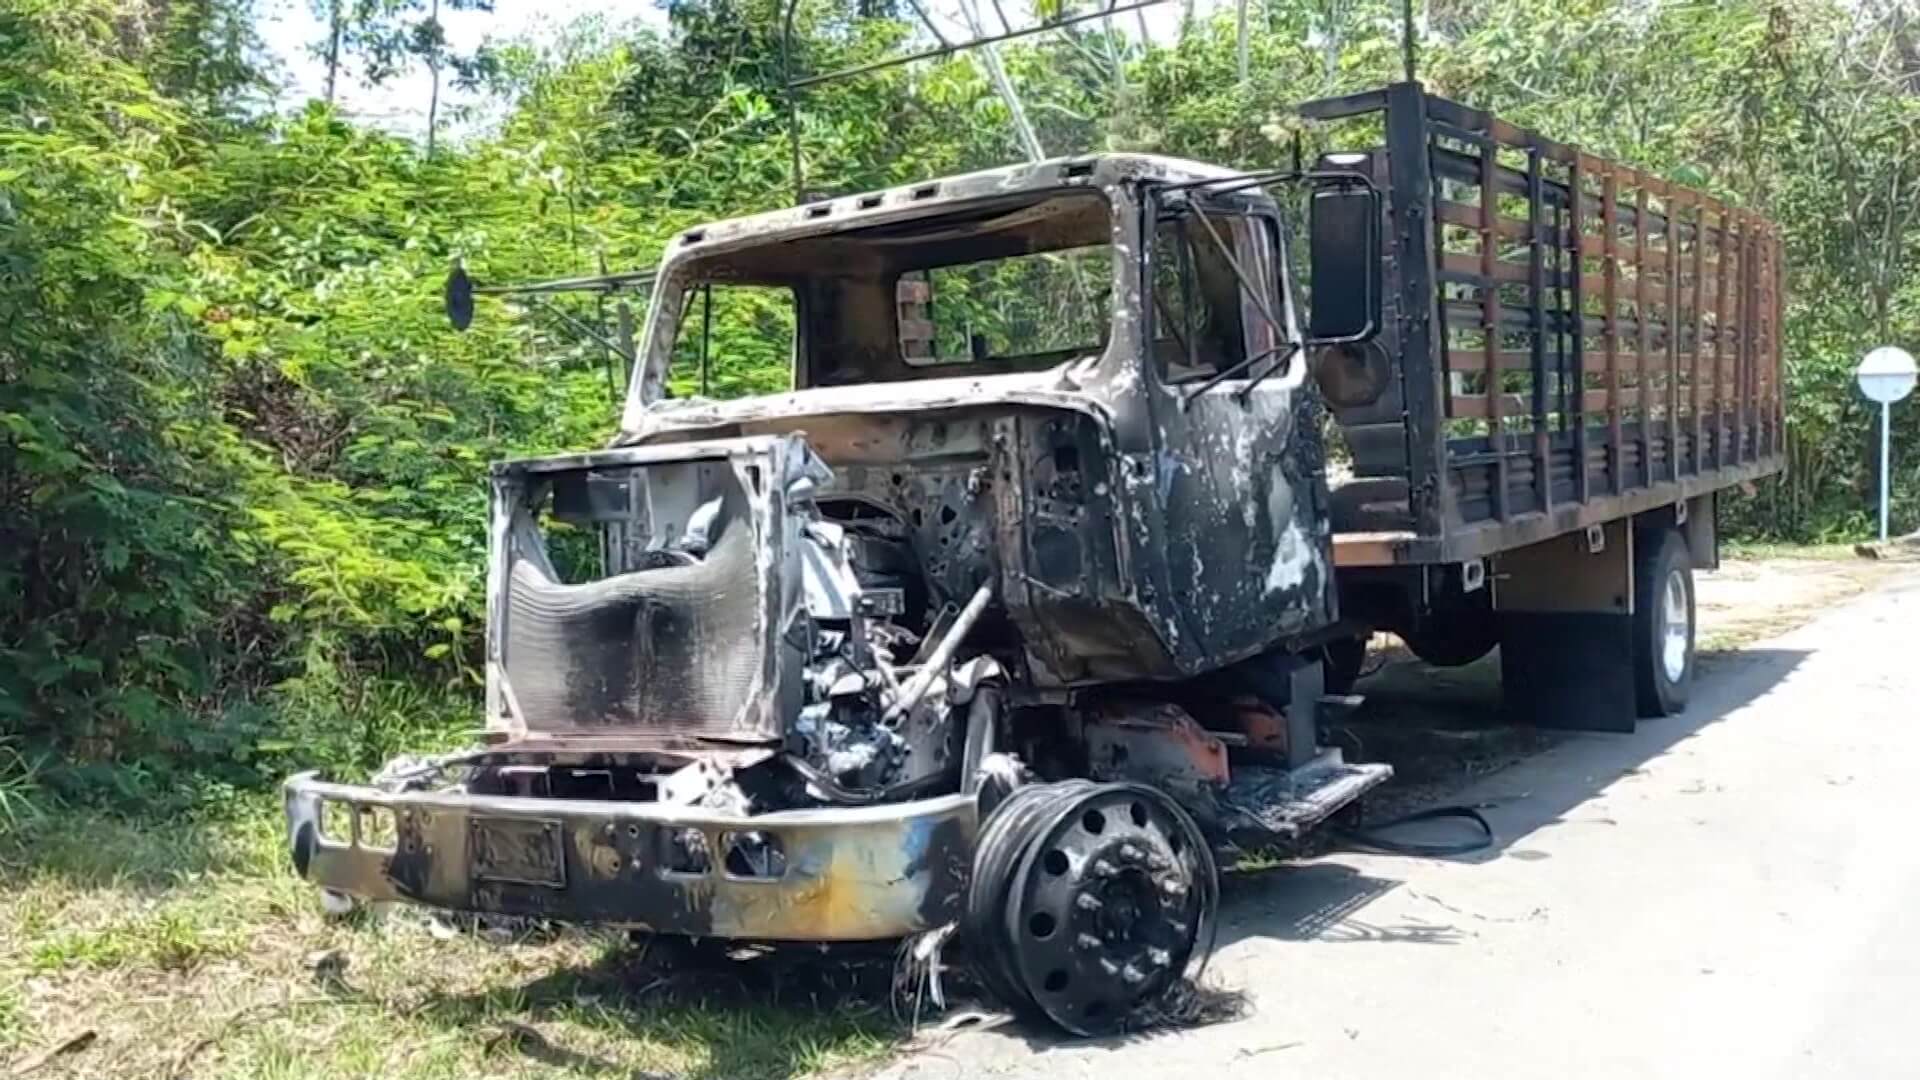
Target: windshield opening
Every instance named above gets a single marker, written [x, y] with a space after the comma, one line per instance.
[1033, 310]
[1012, 283]
[734, 341]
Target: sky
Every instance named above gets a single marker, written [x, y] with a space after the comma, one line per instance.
[290, 30]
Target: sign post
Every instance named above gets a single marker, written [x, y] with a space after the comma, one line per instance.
[1886, 376]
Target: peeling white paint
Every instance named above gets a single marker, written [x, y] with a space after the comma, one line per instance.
[1291, 554]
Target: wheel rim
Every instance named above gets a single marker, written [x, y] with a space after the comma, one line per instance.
[997, 856]
[1046, 952]
[1113, 901]
[1677, 627]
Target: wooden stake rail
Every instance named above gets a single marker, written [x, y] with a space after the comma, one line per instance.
[1594, 331]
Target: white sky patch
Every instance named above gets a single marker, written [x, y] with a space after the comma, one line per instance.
[290, 30]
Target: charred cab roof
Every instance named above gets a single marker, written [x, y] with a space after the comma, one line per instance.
[1094, 172]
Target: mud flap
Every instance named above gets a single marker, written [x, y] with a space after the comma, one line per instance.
[1565, 607]
[1570, 670]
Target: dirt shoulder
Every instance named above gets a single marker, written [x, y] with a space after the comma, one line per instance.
[1749, 599]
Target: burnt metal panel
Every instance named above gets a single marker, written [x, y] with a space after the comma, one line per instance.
[1038, 502]
[848, 874]
[1236, 510]
[658, 647]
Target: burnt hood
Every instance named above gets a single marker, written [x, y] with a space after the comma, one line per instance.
[651, 598]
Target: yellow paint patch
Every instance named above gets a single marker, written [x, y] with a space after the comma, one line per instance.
[841, 891]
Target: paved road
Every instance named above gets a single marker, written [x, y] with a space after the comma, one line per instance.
[1734, 892]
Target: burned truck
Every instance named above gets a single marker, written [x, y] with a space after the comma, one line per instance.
[1014, 608]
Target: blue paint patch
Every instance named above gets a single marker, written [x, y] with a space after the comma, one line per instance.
[915, 840]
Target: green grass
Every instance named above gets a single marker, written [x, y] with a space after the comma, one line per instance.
[189, 947]
[10, 1015]
[19, 787]
[1767, 549]
[173, 938]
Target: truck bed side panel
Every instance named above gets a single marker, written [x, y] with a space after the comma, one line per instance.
[1599, 341]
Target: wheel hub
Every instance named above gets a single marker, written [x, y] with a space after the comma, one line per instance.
[1119, 904]
[1677, 626]
[1111, 899]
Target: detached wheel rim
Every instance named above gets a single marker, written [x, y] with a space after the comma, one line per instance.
[1676, 626]
[1091, 901]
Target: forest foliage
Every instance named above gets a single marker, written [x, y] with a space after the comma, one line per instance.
[242, 456]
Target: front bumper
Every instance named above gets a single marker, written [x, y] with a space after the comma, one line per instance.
[849, 874]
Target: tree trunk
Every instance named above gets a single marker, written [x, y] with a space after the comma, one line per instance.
[1240, 41]
[336, 29]
[433, 107]
[433, 69]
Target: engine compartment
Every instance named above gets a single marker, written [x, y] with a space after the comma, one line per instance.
[693, 624]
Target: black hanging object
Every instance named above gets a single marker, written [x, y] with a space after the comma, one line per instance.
[459, 295]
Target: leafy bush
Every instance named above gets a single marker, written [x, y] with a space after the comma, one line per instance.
[242, 458]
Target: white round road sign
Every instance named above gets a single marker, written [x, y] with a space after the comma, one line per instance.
[1887, 374]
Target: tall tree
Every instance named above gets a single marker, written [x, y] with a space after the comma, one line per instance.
[396, 35]
[333, 15]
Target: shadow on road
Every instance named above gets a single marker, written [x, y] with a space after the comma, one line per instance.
[1443, 733]
[1319, 901]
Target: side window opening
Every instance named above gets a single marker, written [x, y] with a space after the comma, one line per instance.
[1021, 311]
[1204, 321]
[747, 335]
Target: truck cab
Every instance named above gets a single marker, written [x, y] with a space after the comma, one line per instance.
[1078, 381]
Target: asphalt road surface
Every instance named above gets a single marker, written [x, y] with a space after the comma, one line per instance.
[1732, 892]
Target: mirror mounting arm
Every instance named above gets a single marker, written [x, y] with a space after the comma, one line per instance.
[582, 329]
[1282, 353]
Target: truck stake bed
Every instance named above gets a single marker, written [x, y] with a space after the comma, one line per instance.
[1630, 325]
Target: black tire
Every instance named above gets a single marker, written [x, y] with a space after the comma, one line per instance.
[1345, 658]
[1454, 638]
[1663, 656]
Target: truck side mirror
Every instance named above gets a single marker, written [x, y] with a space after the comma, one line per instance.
[1344, 246]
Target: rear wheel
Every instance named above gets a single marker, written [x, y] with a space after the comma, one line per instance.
[1663, 622]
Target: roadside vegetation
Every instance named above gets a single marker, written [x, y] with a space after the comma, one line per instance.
[187, 947]
[242, 456]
